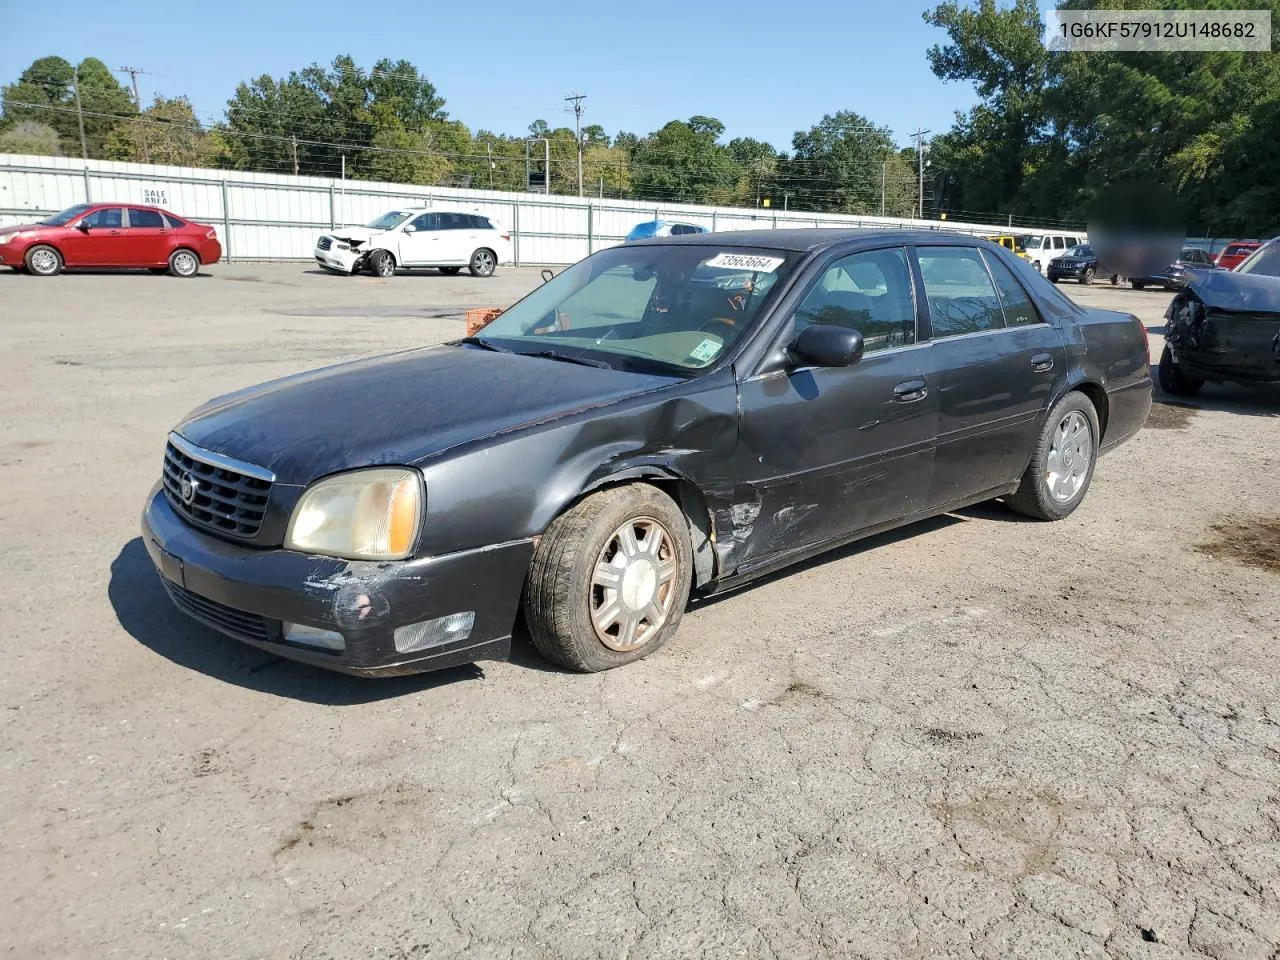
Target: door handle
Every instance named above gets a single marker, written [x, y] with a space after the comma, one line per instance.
[114, 233]
[1042, 362]
[911, 391]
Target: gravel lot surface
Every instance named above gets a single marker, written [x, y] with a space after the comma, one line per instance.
[977, 737]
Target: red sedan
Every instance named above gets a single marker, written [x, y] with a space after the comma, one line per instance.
[110, 235]
[1234, 253]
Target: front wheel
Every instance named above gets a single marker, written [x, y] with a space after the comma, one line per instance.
[483, 262]
[1087, 278]
[184, 263]
[1174, 381]
[1062, 461]
[1137, 284]
[44, 261]
[382, 264]
[610, 579]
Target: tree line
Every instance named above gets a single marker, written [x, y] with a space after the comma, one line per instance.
[1049, 133]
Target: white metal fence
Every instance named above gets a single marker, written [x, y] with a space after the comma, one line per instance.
[265, 216]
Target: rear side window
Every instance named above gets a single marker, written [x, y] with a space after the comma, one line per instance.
[961, 297]
[174, 222]
[481, 223]
[1019, 311]
[108, 217]
[454, 221]
[145, 218]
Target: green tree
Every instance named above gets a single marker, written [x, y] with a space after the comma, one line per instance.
[30, 138]
[683, 162]
[835, 165]
[166, 132]
[46, 93]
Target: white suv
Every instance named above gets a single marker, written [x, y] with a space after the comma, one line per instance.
[417, 237]
[1039, 250]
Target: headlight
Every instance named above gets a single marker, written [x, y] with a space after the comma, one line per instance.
[6, 237]
[363, 515]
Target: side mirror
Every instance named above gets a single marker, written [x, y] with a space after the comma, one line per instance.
[82, 227]
[411, 229]
[823, 345]
[547, 274]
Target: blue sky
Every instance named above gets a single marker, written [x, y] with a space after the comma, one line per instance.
[764, 69]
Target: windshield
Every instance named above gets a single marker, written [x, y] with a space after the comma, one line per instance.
[66, 216]
[1080, 250]
[1263, 262]
[389, 221]
[669, 308]
[1035, 242]
[644, 230]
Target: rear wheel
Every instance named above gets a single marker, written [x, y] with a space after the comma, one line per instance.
[610, 579]
[184, 263]
[483, 262]
[44, 261]
[1087, 277]
[450, 271]
[1137, 284]
[1174, 381]
[1062, 462]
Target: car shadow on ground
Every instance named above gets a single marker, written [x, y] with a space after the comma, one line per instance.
[107, 272]
[1245, 400]
[146, 613]
[840, 553]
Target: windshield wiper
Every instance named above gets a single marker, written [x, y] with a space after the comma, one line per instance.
[584, 361]
[486, 344]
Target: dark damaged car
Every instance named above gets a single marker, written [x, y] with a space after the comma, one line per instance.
[669, 417]
[1225, 327]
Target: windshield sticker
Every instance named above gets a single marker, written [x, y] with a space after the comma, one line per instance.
[705, 352]
[745, 261]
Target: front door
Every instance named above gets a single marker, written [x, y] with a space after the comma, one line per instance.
[96, 239]
[423, 244]
[147, 239]
[999, 364]
[827, 452]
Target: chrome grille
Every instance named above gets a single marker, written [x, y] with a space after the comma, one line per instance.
[247, 626]
[223, 499]
[325, 243]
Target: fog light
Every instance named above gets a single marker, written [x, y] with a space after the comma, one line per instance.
[314, 636]
[433, 633]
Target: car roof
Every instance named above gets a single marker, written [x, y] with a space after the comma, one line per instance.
[806, 239]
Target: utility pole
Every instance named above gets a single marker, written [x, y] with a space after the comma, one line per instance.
[133, 75]
[577, 99]
[920, 160]
[884, 166]
[294, 139]
[84, 144]
[488, 149]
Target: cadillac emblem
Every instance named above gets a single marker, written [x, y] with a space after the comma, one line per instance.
[187, 488]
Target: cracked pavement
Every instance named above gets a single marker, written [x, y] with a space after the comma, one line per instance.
[975, 737]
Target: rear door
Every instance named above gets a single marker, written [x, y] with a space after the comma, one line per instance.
[97, 240]
[459, 237]
[147, 239]
[998, 366]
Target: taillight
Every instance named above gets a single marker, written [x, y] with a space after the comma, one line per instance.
[211, 235]
[506, 236]
[1146, 339]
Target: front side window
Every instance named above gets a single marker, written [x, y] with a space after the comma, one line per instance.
[111, 218]
[669, 308]
[428, 221]
[869, 292]
[389, 221]
[145, 218]
[961, 297]
[1263, 262]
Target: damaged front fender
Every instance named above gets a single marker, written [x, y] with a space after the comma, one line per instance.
[1226, 327]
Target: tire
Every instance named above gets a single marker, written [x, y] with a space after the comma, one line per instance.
[1137, 284]
[563, 588]
[1173, 381]
[1115, 279]
[1087, 278]
[450, 271]
[483, 262]
[43, 261]
[382, 264]
[183, 263]
[1052, 278]
[1072, 429]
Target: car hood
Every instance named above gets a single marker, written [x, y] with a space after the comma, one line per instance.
[398, 409]
[14, 228]
[1236, 292]
[355, 234]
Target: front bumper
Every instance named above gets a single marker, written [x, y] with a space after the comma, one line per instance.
[336, 258]
[1062, 273]
[247, 593]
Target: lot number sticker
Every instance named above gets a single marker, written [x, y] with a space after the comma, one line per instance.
[744, 261]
